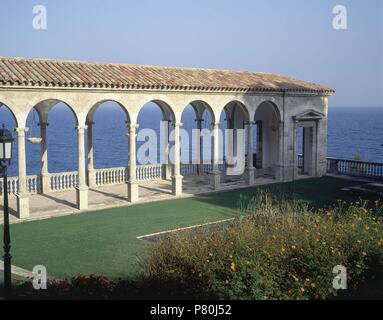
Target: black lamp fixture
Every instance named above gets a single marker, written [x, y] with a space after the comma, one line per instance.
[6, 141]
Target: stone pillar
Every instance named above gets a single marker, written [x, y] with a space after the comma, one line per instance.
[91, 173]
[295, 148]
[250, 168]
[82, 188]
[215, 174]
[200, 160]
[45, 176]
[177, 177]
[281, 165]
[132, 179]
[259, 152]
[22, 195]
[166, 167]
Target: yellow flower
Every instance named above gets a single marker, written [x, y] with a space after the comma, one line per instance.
[293, 247]
[210, 254]
[233, 267]
[226, 281]
[302, 289]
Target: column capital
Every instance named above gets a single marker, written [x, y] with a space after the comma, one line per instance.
[132, 126]
[43, 124]
[81, 128]
[21, 131]
[251, 122]
[18, 130]
[177, 124]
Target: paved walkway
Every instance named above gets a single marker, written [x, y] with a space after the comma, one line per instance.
[64, 203]
[18, 271]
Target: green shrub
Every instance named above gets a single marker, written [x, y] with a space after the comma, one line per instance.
[277, 249]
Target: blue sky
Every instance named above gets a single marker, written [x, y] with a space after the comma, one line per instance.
[292, 37]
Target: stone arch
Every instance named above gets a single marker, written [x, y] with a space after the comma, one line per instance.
[269, 104]
[200, 107]
[3, 105]
[43, 107]
[232, 107]
[93, 109]
[167, 111]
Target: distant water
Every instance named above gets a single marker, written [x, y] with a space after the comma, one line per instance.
[351, 131]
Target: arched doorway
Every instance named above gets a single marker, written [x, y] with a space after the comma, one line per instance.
[267, 119]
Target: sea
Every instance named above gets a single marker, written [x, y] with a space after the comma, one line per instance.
[353, 132]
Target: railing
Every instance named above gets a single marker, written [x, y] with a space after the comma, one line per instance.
[149, 172]
[111, 176]
[355, 168]
[63, 181]
[33, 185]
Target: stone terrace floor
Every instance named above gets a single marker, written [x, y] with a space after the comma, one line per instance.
[64, 202]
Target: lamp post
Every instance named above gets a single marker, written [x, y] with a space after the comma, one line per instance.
[5, 159]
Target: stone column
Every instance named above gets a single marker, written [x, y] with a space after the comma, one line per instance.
[215, 174]
[45, 176]
[259, 153]
[132, 179]
[166, 167]
[91, 173]
[321, 149]
[82, 188]
[295, 148]
[280, 166]
[250, 168]
[200, 162]
[22, 195]
[177, 177]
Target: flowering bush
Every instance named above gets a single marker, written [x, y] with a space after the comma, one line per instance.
[276, 249]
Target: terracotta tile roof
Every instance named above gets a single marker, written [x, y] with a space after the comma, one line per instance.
[56, 73]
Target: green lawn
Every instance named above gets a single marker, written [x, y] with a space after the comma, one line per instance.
[105, 241]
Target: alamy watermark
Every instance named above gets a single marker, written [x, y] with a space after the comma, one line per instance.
[39, 281]
[340, 280]
[40, 17]
[339, 22]
[231, 148]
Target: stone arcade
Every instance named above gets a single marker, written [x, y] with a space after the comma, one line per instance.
[277, 106]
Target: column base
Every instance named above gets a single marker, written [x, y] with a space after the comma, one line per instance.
[82, 198]
[215, 179]
[45, 183]
[177, 185]
[166, 171]
[132, 191]
[250, 178]
[22, 206]
[200, 169]
[279, 173]
[91, 178]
